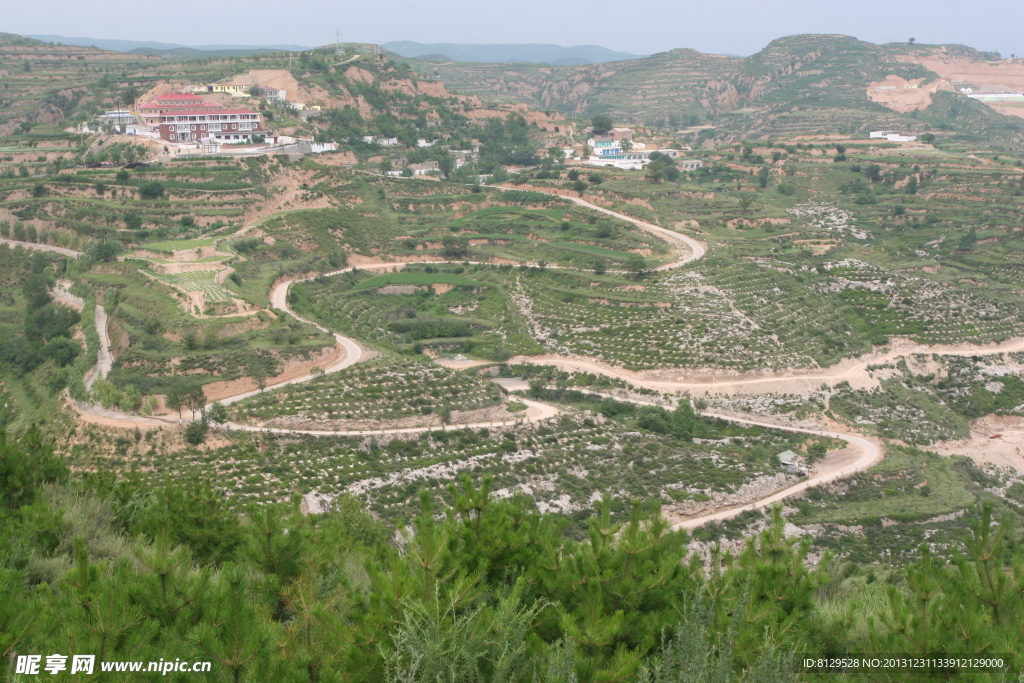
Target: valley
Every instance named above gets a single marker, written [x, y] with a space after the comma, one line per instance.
[479, 330]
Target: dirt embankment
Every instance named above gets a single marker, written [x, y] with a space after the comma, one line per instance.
[492, 414]
[906, 96]
[216, 391]
[1008, 73]
[289, 194]
[995, 439]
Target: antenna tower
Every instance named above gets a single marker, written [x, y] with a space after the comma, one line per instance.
[337, 42]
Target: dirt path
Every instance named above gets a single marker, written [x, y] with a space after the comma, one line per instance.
[104, 361]
[787, 381]
[536, 412]
[41, 247]
[61, 294]
[697, 250]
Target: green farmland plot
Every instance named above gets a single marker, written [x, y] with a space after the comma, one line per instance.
[197, 281]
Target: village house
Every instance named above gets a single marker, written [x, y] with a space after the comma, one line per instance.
[273, 95]
[616, 148]
[424, 168]
[233, 89]
[226, 125]
[464, 156]
[691, 164]
[891, 136]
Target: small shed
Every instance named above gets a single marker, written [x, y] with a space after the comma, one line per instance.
[789, 460]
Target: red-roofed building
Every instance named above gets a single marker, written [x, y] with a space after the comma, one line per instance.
[173, 103]
[222, 125]
[177, 98]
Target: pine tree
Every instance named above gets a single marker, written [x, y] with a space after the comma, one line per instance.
[235, 635]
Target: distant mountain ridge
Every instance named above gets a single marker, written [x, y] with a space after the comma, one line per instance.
[157, 47]
[534, 53]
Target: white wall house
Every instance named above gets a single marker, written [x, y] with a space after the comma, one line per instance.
[274, 94]
[608, 151]
[891, 136]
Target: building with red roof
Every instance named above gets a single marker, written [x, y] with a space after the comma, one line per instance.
[198, 125]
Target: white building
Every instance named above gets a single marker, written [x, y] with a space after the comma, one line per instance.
[418, 169]
[273, 94]
[607, 151]
[119, 116]
[891, 136]
[997, 97]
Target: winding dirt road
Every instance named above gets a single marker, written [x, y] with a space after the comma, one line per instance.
[672, 237]
[789, 381]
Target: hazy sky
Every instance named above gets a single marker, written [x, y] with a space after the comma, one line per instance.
[640, 26]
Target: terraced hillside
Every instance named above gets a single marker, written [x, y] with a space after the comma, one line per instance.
[798, 84]
[564, 464]
[388, 393]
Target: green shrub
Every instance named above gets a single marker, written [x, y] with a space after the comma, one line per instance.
[195, 433]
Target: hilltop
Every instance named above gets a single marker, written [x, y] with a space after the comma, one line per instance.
[535, 53]
[803, 83]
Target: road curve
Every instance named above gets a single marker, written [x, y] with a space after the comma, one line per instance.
[697, 250]
[871, 454]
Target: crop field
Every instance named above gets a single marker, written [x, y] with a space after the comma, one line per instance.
[197, 281]
[476, 318]
[565, 464]
[418, 279]
[912, 497]
[177, 245]
[385, 389]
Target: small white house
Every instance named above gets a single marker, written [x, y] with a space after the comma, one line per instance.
[891, 136]
[273, 94]
[119, 116]
[424, 168]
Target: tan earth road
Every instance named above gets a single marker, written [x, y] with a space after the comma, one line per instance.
[790, 381]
